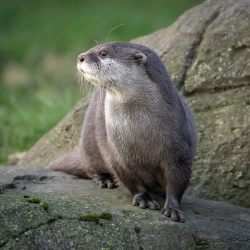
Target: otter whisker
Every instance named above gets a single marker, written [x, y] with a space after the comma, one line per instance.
[112, 30]
[90, 90]
[80, 80]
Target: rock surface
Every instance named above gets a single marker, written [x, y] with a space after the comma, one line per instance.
[207, 53]
[24, 225]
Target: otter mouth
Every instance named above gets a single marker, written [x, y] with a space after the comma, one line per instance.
[81, 70]
[88, 75]
[85, 73]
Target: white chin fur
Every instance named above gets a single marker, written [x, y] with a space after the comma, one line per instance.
[107, 75]
[88, 72]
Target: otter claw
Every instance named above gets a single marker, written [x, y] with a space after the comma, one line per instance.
[143, 200]
[104, 181]
[174, 214]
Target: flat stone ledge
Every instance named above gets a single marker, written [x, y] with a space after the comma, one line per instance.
[24, 225]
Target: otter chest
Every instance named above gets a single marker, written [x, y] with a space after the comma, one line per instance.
[134, 134]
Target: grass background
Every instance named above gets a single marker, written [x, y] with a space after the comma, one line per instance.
[39, 44]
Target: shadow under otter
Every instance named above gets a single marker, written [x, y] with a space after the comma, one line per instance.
[138, 132]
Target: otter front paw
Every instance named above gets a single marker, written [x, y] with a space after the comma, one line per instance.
[104, 180]
[174, 213]
[143, 200]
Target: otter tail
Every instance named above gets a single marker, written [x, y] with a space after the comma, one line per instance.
[70, 163]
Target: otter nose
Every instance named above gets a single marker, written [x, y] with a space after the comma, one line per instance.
[80, 58]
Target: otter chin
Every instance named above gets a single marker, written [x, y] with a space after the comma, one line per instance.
[138, 131]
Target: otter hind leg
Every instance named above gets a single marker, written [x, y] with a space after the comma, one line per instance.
[144, 200]
[105, 180]
[132, 180]
[176, 183]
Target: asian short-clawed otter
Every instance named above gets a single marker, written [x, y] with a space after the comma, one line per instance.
[138, 132]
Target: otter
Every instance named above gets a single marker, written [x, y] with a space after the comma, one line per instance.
[138, 131]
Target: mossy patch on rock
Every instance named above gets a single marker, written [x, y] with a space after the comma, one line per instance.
[45, 205]
[137, 229]
[96, 217]
[34, 200]
[196, 212]
[106, 216]
[90, 217]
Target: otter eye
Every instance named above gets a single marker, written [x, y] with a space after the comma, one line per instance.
[103, 53]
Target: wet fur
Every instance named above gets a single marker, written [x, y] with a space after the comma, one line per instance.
[137, 127]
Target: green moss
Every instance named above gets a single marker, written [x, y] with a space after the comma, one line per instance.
[45, 205]
[33, 200]
[106, 216]
[90, 217]
[96, 217]
[60, 217]
[26, 196]
[137, 229]
[196, 212]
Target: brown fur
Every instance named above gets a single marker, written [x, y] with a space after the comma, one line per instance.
[137, 129]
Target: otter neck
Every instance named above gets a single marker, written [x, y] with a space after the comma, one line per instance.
[131, 90]
[142, 100]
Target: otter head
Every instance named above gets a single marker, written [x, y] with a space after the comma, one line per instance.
[114, 65]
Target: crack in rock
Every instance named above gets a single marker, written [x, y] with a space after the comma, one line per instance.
[31, 177]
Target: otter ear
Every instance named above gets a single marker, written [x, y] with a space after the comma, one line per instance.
[140, 58]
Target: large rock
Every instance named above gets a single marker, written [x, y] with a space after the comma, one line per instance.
[207, 53]
[24, 225]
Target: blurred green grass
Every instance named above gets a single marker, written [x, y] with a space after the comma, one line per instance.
[39, 43]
